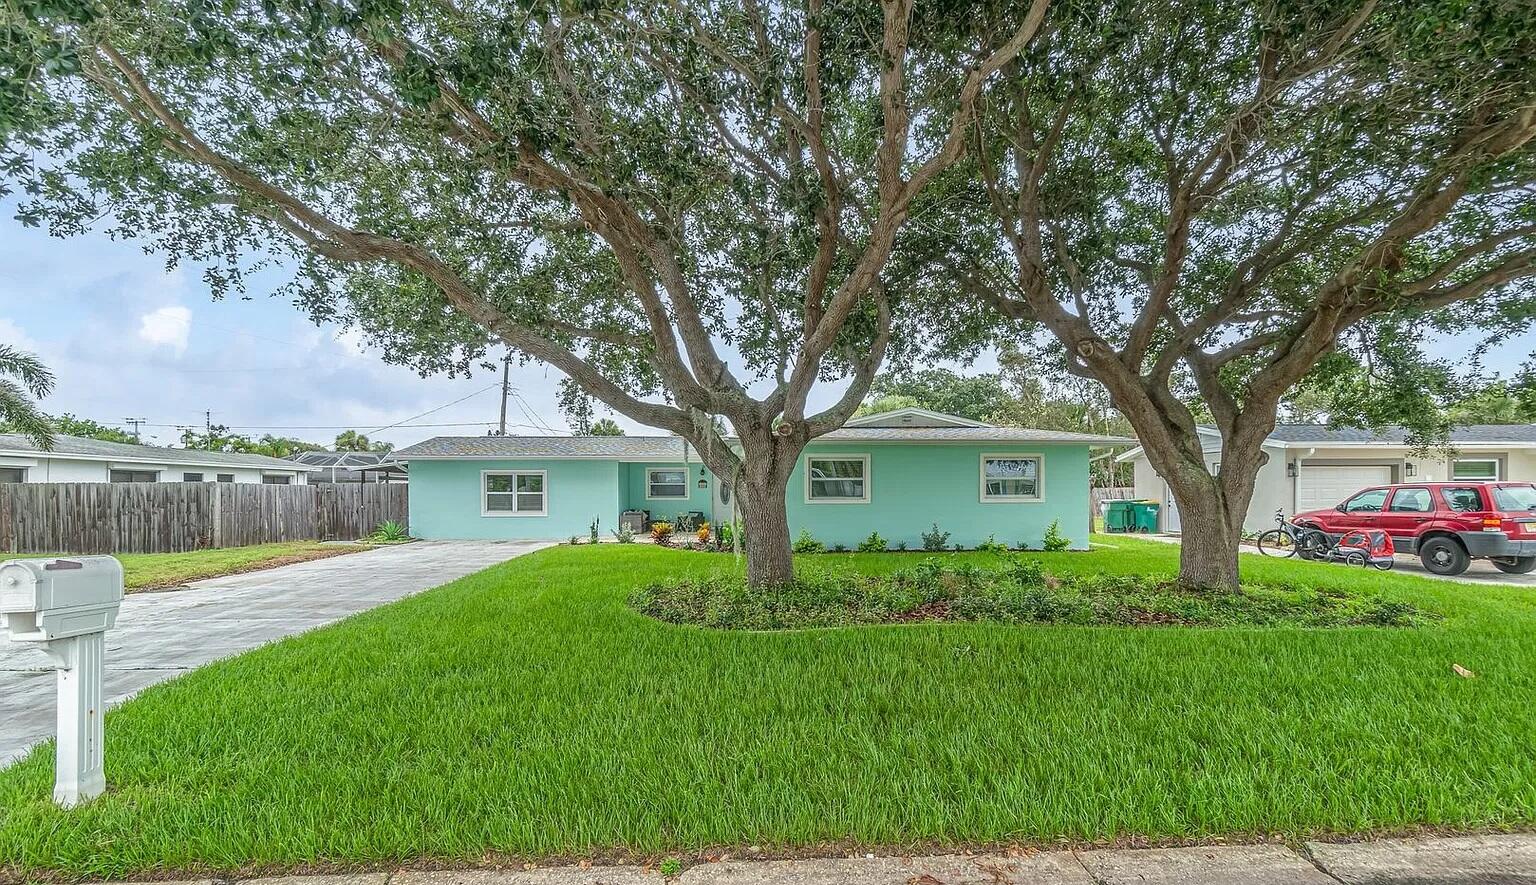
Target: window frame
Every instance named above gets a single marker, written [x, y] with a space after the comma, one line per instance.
[277, 479]
[1386, 495]
[1429, 499]
[21, 473]
[219, 477]
[485, 476]
[981, 472]
[154, 475]
[867, 478]
[1497, 473]
[650, 483]
[186, 476]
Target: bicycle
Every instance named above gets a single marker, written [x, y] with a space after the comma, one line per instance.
[1290, 539]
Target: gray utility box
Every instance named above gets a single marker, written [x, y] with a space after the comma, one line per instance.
[634, 520]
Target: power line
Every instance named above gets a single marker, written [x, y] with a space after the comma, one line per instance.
[438, 409]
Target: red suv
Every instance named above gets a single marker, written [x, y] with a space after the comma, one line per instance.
[1448, 524]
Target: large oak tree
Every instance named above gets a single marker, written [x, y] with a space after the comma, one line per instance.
[647, 196]
[1200, 197]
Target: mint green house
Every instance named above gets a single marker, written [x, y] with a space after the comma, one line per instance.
[897, 473]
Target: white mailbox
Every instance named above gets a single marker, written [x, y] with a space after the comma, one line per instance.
[66, 607]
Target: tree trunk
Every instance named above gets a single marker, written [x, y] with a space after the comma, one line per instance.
[759, 480]
[766, 522]
[1208, 544]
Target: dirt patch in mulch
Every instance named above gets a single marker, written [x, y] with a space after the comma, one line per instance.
[258, 566]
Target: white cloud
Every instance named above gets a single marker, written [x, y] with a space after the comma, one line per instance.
[352, 342]
[15, 336]
[167, 326]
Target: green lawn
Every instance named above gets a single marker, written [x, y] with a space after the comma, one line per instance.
[526, 710]
[150, 571]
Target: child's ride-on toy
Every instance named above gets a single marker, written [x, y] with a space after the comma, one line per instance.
[1363, 548]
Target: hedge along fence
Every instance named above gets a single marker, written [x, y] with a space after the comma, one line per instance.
[172, 517]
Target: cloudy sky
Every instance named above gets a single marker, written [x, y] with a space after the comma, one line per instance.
[126, 339]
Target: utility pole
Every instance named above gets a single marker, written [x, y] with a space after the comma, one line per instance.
[506, 391]
[134, 423]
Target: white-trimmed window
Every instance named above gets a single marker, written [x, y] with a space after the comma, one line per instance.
[13, 474]
[1012, 478]
[133, 476]
[1475, 469]
[837, 479]
[191, 477]
[514, 493]
[662, 483]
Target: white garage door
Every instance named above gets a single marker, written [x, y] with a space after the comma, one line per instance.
[1323, 487]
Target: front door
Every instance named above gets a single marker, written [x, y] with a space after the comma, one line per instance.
[1407, 511]
[722, 500]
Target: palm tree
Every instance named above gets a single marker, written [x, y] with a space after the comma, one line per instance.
[22, 373]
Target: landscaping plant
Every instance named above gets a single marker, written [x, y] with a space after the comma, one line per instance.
[1055, 541]
[935, 540]
[1021, 591]
[807, 544]
[873, 544]
[661, 533]
[389, 532]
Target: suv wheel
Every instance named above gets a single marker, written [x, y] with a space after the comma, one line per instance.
[1515, 565]
[1444, 556]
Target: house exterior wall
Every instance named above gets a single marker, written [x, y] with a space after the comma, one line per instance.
[43, 469]
[911, 487]
[915, 485]
[446, 500]
[632, 476]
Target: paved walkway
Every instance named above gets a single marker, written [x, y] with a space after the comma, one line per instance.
[1471, 860]
[162, 635]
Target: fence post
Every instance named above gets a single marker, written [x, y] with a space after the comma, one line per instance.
[216, 537]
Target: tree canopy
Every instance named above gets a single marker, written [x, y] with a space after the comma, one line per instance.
[688, 208]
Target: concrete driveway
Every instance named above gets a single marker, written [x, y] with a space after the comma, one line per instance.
[162, 635]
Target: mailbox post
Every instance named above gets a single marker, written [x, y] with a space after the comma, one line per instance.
[66, 607]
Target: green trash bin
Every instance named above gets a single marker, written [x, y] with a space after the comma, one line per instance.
[1119, 517]
[1144, 515]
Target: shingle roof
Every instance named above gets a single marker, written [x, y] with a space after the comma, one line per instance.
[1472, 433]
[670, 448]
[81, 447]
[972, 434]
[658, 448]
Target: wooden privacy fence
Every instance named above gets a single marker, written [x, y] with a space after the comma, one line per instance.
[172, 517]
[1097, 497]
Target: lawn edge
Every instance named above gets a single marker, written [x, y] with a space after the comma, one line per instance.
[260, 566]
[691, 857]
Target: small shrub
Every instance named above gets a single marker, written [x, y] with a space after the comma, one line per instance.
[992, 545]
[575, 540]
[671, 867]
[1055, 541]
[724, 535]
[807, 544]
[934, 540]
[702, 533]
[1019, 591]
[902, 546]
[389, 532]
[592, 535]
[661, 533]
[873, 544]
[624, 534]
[839, 548]
[958, 547]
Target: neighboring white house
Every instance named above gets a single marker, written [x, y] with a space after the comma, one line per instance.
[1312, 467]
[76, 459]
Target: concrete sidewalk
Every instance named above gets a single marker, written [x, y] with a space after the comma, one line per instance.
[1465, 860]
[160, 635]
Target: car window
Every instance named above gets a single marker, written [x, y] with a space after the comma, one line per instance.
[1463, 500]
[1410, 501]
[1509, 498]
[1366, 502]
